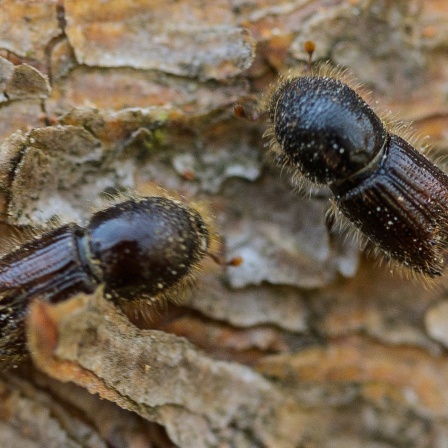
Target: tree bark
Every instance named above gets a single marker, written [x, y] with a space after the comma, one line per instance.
[310, 341]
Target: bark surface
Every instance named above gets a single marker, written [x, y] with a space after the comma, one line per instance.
[310, 342]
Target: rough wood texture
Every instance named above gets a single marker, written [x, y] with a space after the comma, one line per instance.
[307, 343]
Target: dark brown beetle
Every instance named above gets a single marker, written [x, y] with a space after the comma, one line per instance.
[138, 248]
[390, 191]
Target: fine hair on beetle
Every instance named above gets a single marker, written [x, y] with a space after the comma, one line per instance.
[138, 249]
[323, 129]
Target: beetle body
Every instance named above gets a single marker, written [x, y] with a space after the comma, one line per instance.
[390, 191]
[139, 247]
